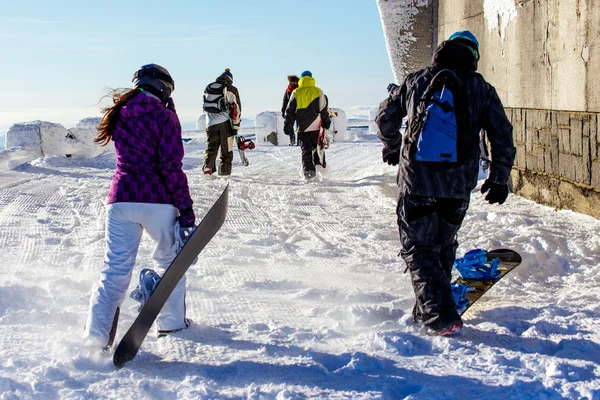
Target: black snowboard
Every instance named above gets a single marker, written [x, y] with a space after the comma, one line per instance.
[509, 260]
[208, 227]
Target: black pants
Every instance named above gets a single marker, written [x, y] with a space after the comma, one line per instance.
[219, 135]
[428, 228]
[308, 145]
[289, 131]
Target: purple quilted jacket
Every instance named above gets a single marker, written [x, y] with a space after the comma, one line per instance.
[149, 153]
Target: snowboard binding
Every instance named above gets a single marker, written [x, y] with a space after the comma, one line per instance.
[459, 291]
[474, 266]
[244, 143]
[148, 281]
[182, 235]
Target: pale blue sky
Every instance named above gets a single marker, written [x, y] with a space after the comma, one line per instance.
[59, 57]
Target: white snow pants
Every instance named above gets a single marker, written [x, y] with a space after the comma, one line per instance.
[125, 223]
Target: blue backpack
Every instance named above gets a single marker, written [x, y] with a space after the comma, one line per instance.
[442, 123]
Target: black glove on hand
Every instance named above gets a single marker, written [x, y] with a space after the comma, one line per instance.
[390, 156]
[187, 218]
[233, 132]
[497, 193]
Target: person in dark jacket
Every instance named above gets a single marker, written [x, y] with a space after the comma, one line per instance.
[308, 108]
[223, 109]
[149, 192]
[434, 199]
[292, 85]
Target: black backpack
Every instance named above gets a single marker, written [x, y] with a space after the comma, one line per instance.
[441, 130]
[214, 98]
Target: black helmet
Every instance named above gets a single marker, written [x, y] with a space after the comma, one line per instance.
[154, 79]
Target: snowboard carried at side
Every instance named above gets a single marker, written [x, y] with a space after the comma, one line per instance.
[245, 143]
[204, 232]
[479, 270]
[323, 141]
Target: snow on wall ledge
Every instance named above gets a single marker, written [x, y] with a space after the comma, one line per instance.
[498, 14]
[27, 141]
[397, 18]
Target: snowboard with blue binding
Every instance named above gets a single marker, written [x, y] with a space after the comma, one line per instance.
[158, 291]
[478, 271]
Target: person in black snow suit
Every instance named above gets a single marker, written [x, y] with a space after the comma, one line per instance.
[308, 108]
[292, 85]
[434, 199]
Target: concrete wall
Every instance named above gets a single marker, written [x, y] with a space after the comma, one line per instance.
[558, 158]
[546, 57]
[543, 58]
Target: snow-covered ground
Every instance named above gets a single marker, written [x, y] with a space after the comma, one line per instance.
[300, 295]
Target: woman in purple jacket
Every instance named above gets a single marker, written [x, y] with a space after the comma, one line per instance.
[149, 191]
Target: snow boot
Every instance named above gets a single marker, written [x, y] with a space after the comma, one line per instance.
[451, 330]
[163, 333]
[308, 175]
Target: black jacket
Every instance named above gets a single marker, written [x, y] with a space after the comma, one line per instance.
[485, 111]
[307, 107]
[286, 98]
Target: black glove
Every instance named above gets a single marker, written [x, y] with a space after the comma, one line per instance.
[390, 156]
[187, 218]
[498, 193]
[233, 132]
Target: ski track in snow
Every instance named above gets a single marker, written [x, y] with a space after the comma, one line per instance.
[300, 295]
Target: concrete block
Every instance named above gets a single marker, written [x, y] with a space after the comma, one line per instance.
[567, 166]
[586, 125]
[532, 162]
[518, 126]
[530, 118]
[539, 119]
[585, 173]
[554, 128]
[520, 159]
[550, 161]
[545, 137]
[594, 142]
[547, 121]
[530, 140]
[576, 117]
[576, 136]
[595, 172]
[564, 140]
[563, 119]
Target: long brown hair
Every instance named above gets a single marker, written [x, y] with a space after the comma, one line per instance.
[111, 114]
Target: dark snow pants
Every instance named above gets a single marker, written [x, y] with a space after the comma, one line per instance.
[289, 131]
[428, 228]
[308, 145]
[219, 135]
